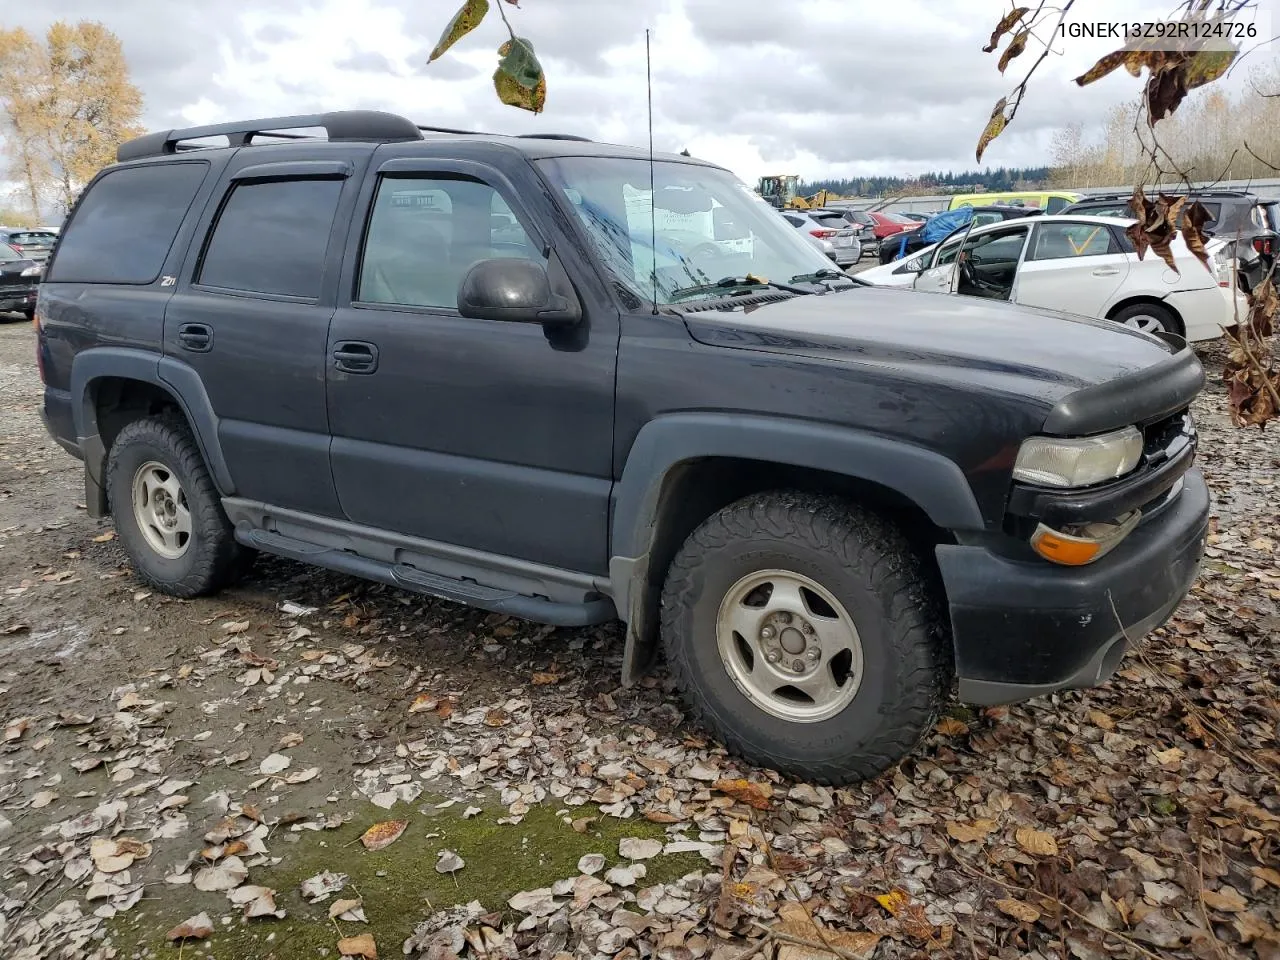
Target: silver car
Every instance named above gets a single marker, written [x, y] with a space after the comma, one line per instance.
[830, 228]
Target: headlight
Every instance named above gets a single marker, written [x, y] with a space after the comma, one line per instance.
[34, 271]
[1078, 462]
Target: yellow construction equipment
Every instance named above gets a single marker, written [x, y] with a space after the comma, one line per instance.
[782, 191]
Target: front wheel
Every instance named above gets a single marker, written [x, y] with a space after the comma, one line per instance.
[801, 633]
[167, 511]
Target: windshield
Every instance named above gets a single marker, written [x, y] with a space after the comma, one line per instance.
[709, 225]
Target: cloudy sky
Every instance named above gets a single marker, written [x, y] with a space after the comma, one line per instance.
[815, 87]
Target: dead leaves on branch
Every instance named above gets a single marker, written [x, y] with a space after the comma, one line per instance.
[1251, 372]
[1004, 26]
[995, 126]
[464, 21]
[1172, 73]
[1156, 226]
[519, 79]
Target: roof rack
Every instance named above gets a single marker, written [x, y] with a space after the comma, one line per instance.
[1193, 192]
[521, 136]
[339, 125]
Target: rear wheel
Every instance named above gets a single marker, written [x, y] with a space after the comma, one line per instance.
[167, 511]
[1149, 318]
[801, 634]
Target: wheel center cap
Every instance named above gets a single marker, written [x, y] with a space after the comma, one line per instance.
[792, 640]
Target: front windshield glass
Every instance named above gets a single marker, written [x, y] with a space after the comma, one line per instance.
[709, 226]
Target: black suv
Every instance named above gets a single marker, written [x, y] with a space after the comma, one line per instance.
[1234, 214]
[497, 370]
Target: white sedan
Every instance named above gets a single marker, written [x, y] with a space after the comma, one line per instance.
[1076, 264]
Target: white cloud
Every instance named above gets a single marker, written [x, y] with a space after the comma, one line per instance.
[815, 87]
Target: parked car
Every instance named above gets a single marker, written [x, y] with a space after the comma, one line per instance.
[821, 500]
[905, 244]
[1050, 201]
[1080, 265]
[846, 248]
[19, 280]
[913, 215]
[33, 244]
[1234, 214]
[881, 224]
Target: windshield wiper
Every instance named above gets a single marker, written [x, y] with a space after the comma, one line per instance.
[730, 284]
[818, 276]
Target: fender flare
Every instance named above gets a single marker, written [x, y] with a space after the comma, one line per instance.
[930, 480]
[175, 378]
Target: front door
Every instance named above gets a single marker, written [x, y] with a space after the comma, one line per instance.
[250, 316]
[1072, 266]
[490, 435]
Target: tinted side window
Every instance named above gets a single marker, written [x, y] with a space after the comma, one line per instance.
[271, 238]
[1054, 204]
[122, 229]
[427, 232]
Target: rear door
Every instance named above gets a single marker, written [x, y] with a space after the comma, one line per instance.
[1074, 266]
[251, 314]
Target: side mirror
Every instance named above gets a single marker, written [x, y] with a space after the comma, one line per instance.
[518, 291]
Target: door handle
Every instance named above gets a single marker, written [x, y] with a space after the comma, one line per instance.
[1105, 272]
[355, 356]
[196, 337]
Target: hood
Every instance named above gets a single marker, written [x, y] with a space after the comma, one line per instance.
[1007, 347]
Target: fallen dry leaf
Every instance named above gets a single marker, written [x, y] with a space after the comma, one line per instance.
[1226, 899]
[361, 946]
[1036, 841]
[226, 875]
[193, 928]
[274, 763]
[383, 834]
[104, 537]
[424, 703]
[449, 862]
[951, 727]
[970, 832]
[322, 886]
[347, 910]
[16, 729]
[546, 679]
[757, 795]
[1018, 910]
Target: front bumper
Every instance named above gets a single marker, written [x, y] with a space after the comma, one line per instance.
[1022, 629]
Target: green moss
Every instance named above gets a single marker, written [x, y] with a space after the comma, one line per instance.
[399, 884]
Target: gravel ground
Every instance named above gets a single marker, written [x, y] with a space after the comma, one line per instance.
[220, 761]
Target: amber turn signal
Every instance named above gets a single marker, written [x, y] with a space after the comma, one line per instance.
[1087, 543]
[1072, 551]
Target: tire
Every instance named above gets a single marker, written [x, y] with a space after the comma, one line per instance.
[207, 558]
[860, 561]
[1148, 317]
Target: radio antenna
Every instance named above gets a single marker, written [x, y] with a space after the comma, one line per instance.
[653, 193]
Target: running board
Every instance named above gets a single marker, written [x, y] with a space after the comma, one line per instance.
[468, 592]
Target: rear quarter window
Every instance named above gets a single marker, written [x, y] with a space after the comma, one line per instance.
[122, 229]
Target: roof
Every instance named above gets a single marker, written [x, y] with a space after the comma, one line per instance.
[367, 126]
